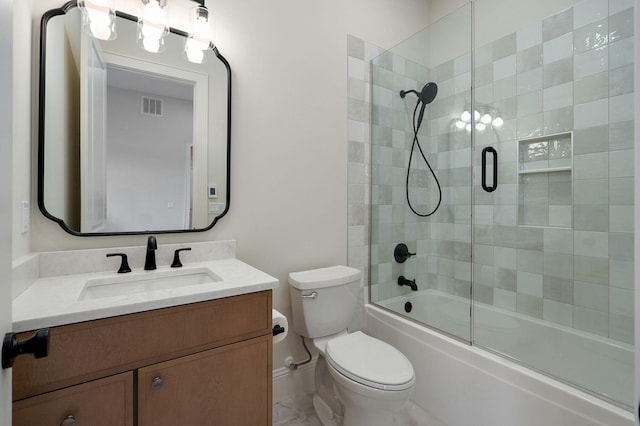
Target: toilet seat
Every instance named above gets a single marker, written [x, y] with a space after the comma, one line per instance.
[370, 362]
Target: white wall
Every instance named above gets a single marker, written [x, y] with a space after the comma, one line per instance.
[6, 137]
[146, 152]
[289, 133]
[22, 125]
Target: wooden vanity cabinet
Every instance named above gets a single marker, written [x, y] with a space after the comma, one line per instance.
[206, 363]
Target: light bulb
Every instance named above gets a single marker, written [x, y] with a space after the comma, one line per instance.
[100, 30]
[98, 18]
[467, 127]
[152, 31]
[460, 124]
[151, 44]
[152, 27]
[194, 51]
[486, 119]
[199, 38]
[498, 122]
[480, 126]
[476, 115]
[153, 13]
[465, 116]
[201, 27]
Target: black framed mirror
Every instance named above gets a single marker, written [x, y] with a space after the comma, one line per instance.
[130, 142]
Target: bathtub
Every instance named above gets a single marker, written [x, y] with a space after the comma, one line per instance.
[468, 385]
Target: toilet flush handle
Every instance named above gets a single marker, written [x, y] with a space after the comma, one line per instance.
[312, 295]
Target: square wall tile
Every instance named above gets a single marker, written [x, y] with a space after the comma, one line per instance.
[558, 48]
[589, 11]
[595, 61]
[591, 36]
[504, 299]
[591, 320]
[558, 289]
[559, 96]
[589, 243]
[592, 87]
[621, 301]
[621, 25]
[558, 24]
[620, 53]
[592, 296]
[558, 313]
[529, 36]
[529, 305]
[591, 269]
[621, 163]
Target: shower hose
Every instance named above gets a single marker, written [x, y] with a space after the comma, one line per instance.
[414, 143]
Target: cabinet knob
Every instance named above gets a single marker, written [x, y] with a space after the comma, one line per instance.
[156, 383]
[69, 421]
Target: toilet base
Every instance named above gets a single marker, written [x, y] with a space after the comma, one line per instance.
[359, 411]
[325, 414]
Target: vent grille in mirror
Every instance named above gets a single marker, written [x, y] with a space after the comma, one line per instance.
[151, 106]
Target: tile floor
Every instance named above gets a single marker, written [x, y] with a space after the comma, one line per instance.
[298, 411]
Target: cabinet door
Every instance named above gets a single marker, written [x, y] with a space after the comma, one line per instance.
[103, 402]
[224, 386]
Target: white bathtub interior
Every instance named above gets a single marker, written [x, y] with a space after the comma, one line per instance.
[562, 352]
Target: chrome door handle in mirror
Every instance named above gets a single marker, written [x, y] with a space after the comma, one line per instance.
[312, 295]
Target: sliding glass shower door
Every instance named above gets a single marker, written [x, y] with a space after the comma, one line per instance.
[502, 185]
[553, 243]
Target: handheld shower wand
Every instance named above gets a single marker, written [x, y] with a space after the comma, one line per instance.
[425, 97]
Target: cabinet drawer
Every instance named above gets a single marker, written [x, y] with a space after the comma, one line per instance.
[90, 350]
[103, 402]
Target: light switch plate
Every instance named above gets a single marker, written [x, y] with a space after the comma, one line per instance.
[24, 217]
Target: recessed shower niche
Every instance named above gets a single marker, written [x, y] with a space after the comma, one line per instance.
[544, 181]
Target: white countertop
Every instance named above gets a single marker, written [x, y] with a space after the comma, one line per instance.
[54, 301]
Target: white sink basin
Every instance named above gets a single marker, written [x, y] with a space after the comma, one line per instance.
[146, 282]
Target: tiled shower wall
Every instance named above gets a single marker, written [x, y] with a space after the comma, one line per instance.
[359, 55]
[571, 73]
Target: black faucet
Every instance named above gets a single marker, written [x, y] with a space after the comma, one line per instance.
[411, 283]
[150, 260]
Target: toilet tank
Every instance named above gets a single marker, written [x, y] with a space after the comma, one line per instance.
[336, 291]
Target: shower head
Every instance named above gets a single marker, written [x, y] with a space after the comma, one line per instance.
[426, 95]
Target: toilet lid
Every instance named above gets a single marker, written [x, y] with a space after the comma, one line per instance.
[370, 362]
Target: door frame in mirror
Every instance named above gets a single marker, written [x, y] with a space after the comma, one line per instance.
[41, 136]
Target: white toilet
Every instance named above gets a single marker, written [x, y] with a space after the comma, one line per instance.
[359, 380]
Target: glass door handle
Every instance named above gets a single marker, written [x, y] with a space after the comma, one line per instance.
[494, 185]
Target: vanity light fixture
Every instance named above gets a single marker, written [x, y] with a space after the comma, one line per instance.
[483, 116]
[99, 18]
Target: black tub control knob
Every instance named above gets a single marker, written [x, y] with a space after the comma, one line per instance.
[401, 253]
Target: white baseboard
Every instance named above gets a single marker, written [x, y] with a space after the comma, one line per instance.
[289, 383]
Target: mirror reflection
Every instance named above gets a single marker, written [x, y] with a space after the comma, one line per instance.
[130, 141]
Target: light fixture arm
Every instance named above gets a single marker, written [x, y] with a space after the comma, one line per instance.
[200, 2]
